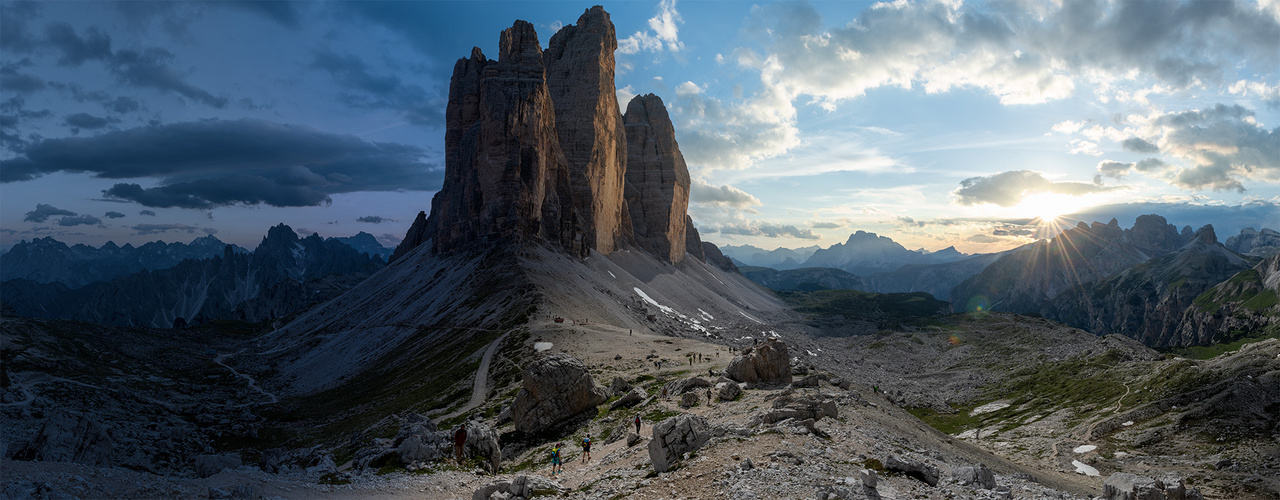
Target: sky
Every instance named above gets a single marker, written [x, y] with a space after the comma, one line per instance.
[978, 125]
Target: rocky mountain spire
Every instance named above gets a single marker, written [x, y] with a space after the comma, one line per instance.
[657, 179]
[579, 65]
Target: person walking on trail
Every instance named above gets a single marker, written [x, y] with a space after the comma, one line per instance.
[637, 424]
[586, 448]
[711, 372]
[459, 441]
[708, 396]
[556, 468]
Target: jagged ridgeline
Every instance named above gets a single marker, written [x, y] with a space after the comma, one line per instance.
[537, 151]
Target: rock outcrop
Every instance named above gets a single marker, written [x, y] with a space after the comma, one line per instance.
[629, 399]
[657, 180]
[976, 475]
[764, 364]
[555, 388]
[1126, 486]
[912, 468]
[482, 441]
[579, 71]
[1255, 243]
[68, 437]
[519, 488]
[674, 437]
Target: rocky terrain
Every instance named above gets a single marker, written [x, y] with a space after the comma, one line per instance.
[1255, 243]
[281, 276]
[554, 293]
[46, 260]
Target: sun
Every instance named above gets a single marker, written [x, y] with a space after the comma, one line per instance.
[1047, 207]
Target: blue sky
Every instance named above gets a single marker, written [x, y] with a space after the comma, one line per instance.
[936, 123]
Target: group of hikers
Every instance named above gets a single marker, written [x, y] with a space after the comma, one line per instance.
[557, 466]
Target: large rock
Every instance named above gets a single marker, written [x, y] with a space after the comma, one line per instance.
[579, 68]
[208, 465]
[555, 388]
[482, 441]
[728, 391]
[676, 387]
[765, 364]
[674, 437]
[631, 398]
[69, 437]
[519, 488]
[977, 475]
[619, 386]
[657, 179]
[912, 468]
[420, 441]
[803, 408]
[1126, 486]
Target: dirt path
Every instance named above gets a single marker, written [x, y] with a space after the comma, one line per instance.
[253, 384]
[481, 388]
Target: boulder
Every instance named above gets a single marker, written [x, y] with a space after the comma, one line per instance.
[657, 188]
[482, 441]
[728, 391]
[912, 468]
[69, 437]
[619, 386]
[689, 400]
[632, 439]
[420, 441]
[208, 465]
[975, 475]
[768, 363]
[802, 408]
[1126, 486]
[674, 437]
[682, 386]
[868, 478]
[555, 388]
[519, 488]
[631, 398]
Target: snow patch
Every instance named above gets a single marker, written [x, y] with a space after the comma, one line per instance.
[748, 316]
[1126, 424]
[989, 407]
[1083, 468]
[705, 315]
[1084, 448]
[611, 274]
[655, 303]
[541, 346]
[811, 353]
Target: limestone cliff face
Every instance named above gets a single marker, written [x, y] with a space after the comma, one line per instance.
[536, 151]
[504, 168]
[579, 66]
[657, 180]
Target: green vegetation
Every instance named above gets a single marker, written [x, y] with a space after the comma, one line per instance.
[1210, 351]
[888, 310]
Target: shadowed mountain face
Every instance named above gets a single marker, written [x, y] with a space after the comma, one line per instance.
[866, 253]
[1246, 304]
[281, 276]
[46, 260]
[1254, 243]
[1147, 301]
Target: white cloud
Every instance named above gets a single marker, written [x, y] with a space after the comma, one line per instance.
[1083, 147]
[715, 135]
[701, 191]
[625, 95]
[1007, 189]
[687, 89]
[663, 34]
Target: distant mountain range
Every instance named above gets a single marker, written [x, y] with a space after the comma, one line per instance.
[282, 275]
[46, 260]
[780, 258]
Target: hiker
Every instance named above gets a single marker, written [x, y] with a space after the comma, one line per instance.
[556, 468]
[460, 441]
[708, 396]
[664, 393]
[637, 424]
[586, 448]
[711, 372]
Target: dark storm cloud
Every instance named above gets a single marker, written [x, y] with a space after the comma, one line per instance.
[285, 13]
[94, 46]
[87, 121]
[374, 219]
[149, 68]
[14, 36]
[163, 228]
[211, 163]
[1007, 189]
[79, 220]
[44, 212]
[113, 215]
[370, 90]
[150, 213]
[12, 79]
[1138, 145]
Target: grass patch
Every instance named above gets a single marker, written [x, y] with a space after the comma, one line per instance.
[1212, 351]
[887, 310]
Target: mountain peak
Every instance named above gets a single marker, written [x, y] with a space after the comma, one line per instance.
[1206, 235]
